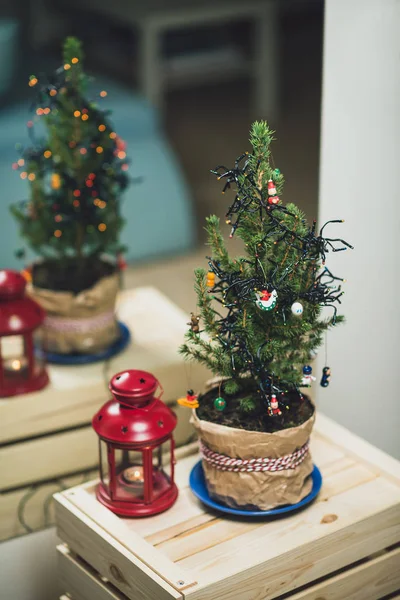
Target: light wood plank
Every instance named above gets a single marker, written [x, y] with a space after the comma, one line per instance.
[80, 581]
[34, 508]
[48, 457]
[369, 581]
[75, 393]
[323, 451]
[284, 555]
[219, 530]
[355, 446]
[109, 557]
[111, 524]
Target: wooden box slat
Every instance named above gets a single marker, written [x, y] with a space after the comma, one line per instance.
[371, 580]
[82, 582]
[356, 514]
[74, 395]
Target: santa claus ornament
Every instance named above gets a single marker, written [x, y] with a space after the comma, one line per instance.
[266, 300]
[274, 406]
[272, 197]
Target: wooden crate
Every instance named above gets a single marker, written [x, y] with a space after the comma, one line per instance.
[47, 435]
[342, 547]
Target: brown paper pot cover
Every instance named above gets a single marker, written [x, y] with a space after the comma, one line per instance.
[256, 490]
[84, 323]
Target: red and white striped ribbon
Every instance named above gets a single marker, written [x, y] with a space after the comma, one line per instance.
[226, 463]
[84, 325]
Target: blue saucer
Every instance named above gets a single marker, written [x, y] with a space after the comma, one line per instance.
[198, 486]
[85, 359]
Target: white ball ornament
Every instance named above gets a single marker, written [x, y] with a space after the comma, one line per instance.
[297, 309]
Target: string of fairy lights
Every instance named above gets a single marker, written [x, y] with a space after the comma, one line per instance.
[252, 281]
[79, 180]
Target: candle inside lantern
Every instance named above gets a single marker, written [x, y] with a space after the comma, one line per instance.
[132, 479]
[133, 474]
[16, 367]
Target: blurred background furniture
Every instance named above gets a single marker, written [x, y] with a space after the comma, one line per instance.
[218, 57]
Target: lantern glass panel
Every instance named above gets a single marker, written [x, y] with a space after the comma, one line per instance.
[14, 356]
[129, 476]
[104, 467]
[162, 468]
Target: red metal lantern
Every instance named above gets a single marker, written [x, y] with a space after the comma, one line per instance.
[136, 447]
[21, 371]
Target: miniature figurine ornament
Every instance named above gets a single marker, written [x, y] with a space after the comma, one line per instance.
[274, 405]
[189, 401]
[273, 198]
[194, 323]
[297, 308]
[266, 300]
[308, 378]
[271, 188]
[326, 375]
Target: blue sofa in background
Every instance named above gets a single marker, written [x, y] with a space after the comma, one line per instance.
[157, 209]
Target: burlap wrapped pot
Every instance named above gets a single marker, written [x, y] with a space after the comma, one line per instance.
[256, 490]
[84, 323]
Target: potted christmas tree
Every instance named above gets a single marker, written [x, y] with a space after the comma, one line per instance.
[76, 168]
[259, 323]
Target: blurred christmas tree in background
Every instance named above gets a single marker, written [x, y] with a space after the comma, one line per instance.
[77, 173]
[260, 314]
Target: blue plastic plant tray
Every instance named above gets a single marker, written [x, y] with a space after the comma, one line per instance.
[85, 359]
[198, 486]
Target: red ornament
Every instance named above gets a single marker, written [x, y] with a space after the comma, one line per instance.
[21, 371]
[135, 427]
[273, 199]
[271, 188]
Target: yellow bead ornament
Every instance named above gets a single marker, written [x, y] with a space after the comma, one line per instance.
[210, 279]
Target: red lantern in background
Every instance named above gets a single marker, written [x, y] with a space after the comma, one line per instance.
[136, 447]
[21, 371]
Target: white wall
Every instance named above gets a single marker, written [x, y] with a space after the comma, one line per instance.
[360, 182]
